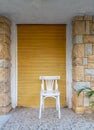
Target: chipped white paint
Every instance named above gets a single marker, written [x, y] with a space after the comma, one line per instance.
[69, 65]
[14, 65]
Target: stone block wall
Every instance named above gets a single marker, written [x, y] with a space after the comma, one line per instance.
[83, 59]
[5, 98]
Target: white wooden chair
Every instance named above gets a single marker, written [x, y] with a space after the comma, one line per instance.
[49, 88]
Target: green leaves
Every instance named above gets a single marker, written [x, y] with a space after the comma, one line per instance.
[89, 93]
[84, 89]
[92, 103]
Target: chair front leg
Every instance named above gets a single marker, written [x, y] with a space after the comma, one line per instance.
[41, 103]
[59, 114]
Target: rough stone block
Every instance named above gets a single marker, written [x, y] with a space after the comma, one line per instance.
[86, 100]
[4, 39]
[93, 18]
[92, 85]
[88, 109]
[88, 49]
[90, 66]
[78, 51]
[80, 85]
[91, 26]
[88, 18]
[88, 39]
[5, 29]
[78, 39]
[5, 99]
[92, 78]
[92, 109]
[79, 28]
[89, 72]
[4, 63]
[91, 58]
[93, 49]
[4, 19]
[87, 27]
[80, 103]
[78, 110]
[85, 66]
[4, 87]
[78, 18]
[78, 100]
[82, 110]
[92, 32]
[4, 110]
[84, 61]
[87, 78]
[91, 99]
[77, 61]
[78, 73]
[4, 74]
[4, 51]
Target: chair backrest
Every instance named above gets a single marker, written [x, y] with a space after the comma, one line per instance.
[49, 83]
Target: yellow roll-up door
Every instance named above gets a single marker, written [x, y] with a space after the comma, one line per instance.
[41, 51]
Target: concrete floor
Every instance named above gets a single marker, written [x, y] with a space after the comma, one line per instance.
[27, 119]
[4, 119]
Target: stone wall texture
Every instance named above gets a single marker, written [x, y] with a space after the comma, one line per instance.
[83, 60]
[5, 98]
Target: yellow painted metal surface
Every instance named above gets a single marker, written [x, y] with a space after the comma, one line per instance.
[41, 51]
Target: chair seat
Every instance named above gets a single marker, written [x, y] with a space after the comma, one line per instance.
[50, 93]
